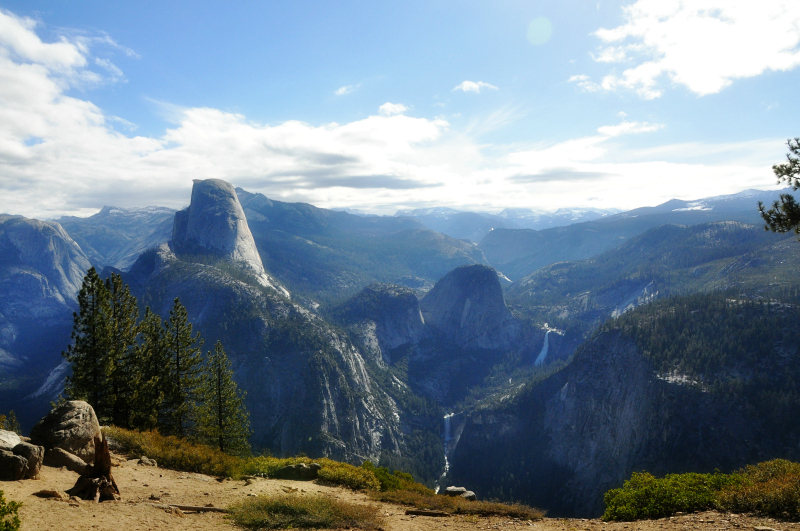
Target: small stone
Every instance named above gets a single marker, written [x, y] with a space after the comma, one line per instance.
[52, 494]
[175, 512]
[146, 461]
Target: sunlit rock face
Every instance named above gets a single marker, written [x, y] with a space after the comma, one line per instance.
[214, 223]
[467, 306]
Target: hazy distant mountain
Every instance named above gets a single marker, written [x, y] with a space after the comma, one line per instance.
[519, 252]
[327, 255]
[474, 226]
[116, 236]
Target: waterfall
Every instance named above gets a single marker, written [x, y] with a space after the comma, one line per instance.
[543, 354]
[447, 439]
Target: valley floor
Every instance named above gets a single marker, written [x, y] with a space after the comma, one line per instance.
[146, 492]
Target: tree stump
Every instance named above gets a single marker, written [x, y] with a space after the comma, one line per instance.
[97, 483]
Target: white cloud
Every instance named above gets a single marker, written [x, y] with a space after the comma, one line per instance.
[473, 86]
[61, 154]
[584, 83]
[628, 128]
[391, 109]
[347, 89]
[703, 45]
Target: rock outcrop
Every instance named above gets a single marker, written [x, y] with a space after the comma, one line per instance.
[23, 461]
[467, 307]
[215, 223]
[72, 427]
[384, 317]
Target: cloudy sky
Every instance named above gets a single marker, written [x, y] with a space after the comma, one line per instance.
[388, 105]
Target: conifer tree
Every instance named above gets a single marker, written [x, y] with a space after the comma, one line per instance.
[91, 341]
[222, 420]
[151, 371]
[180, 389]
[123, 314]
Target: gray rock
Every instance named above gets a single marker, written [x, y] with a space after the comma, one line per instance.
[215, 223]
[71, 427]
[9, 439]
[469, 495]
[299, 472]
[454, 491]
[467, 307]
[12, 467]
[58, 457]
[146, 461]
[33, 455]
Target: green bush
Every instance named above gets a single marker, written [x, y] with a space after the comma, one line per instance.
[9, 519]
[645, 497]
[315, 511]
[395, 480]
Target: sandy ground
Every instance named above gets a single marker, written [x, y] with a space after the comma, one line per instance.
[146, 490]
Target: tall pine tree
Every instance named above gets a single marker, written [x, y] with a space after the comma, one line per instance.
[91, 341]
[123, 329]
[150, 373]
[222, 418]
[180, 389]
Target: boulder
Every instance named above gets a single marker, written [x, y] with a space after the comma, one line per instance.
[299, 472]
[12, 467]
[58, 457]
[9, 439]
[34, 455]
[72, 427]
[460, 492]
[146, 461]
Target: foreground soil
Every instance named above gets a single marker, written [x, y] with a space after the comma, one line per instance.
[147, 491]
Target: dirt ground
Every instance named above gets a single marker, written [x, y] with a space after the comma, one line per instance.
[146, 491]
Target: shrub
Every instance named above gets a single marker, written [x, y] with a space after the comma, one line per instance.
[771, 488]
[317, 511]
[9, 519]
[395, 480]
[644, 496]
[457, 505]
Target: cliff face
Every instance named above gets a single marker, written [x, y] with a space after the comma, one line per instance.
[585, 429]
[214, 223]
[384, 317]
[41, 270]
[467, 307]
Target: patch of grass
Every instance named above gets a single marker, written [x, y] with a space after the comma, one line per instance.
[175, 453]
[9, 518]
[317, 511]
[457, 505]
[771, 489]
[332, 472]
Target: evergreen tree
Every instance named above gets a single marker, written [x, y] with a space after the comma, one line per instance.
[785, 213]
[222, 420]
[180, 389]
[151, 372]
[123, 314]
[91, 341]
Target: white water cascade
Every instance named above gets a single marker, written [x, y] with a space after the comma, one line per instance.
[543, 354]
[447, 438]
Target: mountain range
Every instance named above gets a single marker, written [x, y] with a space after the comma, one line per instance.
[375, 337]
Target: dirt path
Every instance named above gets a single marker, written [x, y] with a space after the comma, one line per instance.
[146, 490]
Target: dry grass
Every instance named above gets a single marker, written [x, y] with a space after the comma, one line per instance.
[771, 488]
[317, 511]
[457, 505]
[180, 454]
[175, 453]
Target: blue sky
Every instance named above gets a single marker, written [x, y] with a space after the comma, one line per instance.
[380, 106]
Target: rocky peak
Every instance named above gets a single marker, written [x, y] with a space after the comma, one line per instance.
[215, 223]
[468, 308]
